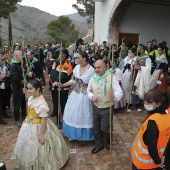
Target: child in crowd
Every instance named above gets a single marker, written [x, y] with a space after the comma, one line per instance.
[39, 144]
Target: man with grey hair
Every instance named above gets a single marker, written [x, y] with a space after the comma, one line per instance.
[16, 74]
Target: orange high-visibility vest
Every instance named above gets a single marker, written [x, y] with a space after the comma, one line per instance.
[65, 67]
[140, 154]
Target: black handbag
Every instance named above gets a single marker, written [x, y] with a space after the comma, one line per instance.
[2, 166]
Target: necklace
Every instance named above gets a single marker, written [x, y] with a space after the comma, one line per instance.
[83, 69]
[83, 65]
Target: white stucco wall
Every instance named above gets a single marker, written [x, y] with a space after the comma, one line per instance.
[102, 14]
[149, 20]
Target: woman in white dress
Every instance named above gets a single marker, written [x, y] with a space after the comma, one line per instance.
[127, 71]
[78, 118]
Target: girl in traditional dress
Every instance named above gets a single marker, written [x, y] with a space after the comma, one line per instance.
[78, 118]
[40, 145]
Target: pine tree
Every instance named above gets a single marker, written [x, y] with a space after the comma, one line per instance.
[63, 30]
[87, 10]
[6, 7]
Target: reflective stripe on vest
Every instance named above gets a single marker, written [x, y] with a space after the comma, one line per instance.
[145, 151]
[146, 161]
[140, 154]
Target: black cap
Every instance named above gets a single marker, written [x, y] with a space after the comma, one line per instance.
[104, 42]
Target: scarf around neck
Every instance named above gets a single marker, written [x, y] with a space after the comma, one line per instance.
[139, 58]
[31, 63]
[14, 62]
[98, 78]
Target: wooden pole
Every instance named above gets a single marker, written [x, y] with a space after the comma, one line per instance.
[59, 89]
[23, 73]
[23, 69]
[121, 49]
[99, 39]
[111, 90]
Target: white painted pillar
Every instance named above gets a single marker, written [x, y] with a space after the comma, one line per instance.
[98, 21]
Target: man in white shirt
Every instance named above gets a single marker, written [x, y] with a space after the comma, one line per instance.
[103, 98]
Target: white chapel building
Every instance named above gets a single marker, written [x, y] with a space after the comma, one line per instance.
[131, 19]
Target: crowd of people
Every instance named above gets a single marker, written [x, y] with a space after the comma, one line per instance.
[85, 115]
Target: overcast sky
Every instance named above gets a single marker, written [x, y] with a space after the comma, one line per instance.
[55, 7]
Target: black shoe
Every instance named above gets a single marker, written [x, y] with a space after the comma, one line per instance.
[23, 117]
[59, 126]
[52, 115]
[108, 145]
[6, 116]
[18, 124]
[2, 122]
[96, 149]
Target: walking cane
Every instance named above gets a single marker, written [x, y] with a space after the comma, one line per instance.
[111, 103]
[59, 89]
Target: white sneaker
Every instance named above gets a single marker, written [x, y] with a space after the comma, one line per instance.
[139, 110]
[129, 110]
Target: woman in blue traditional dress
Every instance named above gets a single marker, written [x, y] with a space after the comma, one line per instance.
[78, 118]
[160, 75]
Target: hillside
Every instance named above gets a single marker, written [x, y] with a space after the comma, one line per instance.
[30, 24]
[79, 18]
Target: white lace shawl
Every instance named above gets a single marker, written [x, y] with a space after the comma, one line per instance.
[162, 59]
[39, 104]
[86, 76]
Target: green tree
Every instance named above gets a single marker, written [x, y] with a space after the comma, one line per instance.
[6, 7]
[87, 9]
[63, 30]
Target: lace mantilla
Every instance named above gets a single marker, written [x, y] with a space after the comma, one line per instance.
[39, 104]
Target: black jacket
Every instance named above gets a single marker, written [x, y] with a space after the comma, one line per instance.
[16, 78]
[38, 70]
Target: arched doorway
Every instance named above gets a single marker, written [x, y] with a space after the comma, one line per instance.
[147, 18]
